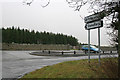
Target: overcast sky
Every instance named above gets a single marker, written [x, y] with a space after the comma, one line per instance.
[57, 17]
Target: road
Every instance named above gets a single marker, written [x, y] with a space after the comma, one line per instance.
[17, 63]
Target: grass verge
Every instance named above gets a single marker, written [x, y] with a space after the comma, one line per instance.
[78, 69]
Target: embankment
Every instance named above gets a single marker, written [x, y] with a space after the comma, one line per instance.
[6, 46]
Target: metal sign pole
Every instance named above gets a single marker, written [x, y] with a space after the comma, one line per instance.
[99, 45]
[92, 22]
[89, 46]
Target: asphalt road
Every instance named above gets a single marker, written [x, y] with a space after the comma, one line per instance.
[17, 63]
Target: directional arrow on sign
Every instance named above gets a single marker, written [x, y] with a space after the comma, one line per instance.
[93, 25]
[93, 17]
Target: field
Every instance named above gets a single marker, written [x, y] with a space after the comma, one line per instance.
[78, 69]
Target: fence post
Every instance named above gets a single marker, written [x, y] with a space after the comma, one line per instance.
[110, 51]
[62, 52]
[85, 51]
[103, 52]
[48, 52]
[74, 52]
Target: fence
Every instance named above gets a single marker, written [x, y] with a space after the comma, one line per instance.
[108, 50]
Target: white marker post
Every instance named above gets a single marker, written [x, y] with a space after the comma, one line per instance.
[89, 46]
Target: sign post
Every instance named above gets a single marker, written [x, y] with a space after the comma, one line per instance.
[89, 46]
[92, 22]
[99, 45]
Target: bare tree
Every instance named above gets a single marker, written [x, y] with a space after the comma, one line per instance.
[108, 9]
[29, 2]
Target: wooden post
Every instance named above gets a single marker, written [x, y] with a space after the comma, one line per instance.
[85, 51]
[118, 39]
[48, 52]
[62, 52]
[74, 52]
[110, 51]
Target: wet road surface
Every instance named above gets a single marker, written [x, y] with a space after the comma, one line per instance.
[17, 63]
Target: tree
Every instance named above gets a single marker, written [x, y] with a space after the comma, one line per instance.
[29, 2]
[21, 36]
[108, 9]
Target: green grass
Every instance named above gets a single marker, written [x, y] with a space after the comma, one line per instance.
[78, 69]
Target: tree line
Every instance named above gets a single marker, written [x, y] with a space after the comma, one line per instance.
[21, 36]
